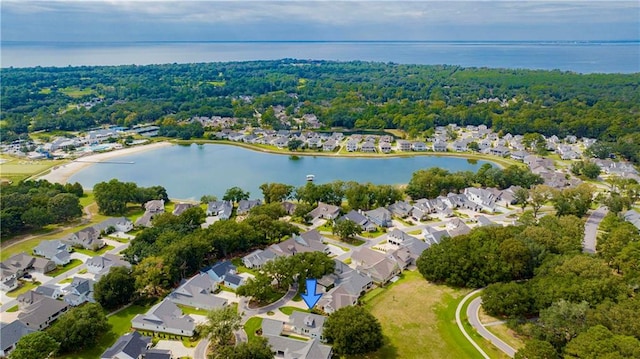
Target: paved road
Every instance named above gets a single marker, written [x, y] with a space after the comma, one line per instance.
[591, 229]
[461, 327]
[472, 313]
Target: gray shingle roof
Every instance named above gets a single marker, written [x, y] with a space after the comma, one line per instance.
[132, 344]
[11, 333]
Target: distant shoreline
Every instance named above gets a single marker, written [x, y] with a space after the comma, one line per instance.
[62, 173]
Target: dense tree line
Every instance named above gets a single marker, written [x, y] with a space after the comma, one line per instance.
[581, 304]
[35, 204]
[112, 197]
[356, 94]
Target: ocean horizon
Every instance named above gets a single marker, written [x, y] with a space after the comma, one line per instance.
[615, 56]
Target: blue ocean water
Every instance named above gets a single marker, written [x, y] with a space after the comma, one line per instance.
[582, 57]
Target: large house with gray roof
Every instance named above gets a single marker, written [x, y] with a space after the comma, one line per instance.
[129, 346]
[198, 292]
[342, 288]
[325, 211]
[381, 268]
[380, 216]
[55, 250]
[359, 219]
[289, 348]
[87, 238]
[401, 209]
[310, 241]
[258, 258]
[245, 205]
[165, 317]
[79, 291]
[306, 324]
[220, 209]
[42, 312]
[101, 265]
[13, 269]
[10, 334]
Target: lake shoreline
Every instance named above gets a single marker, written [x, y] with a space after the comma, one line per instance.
[62, 173]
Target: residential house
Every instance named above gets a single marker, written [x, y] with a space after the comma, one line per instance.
[519, 155]
[306, 324]
[165, 317]
[401, 209]
[414, 248]
[49, 290]
[460, 145]
[385, 147]
[289, 348]
[10, 334]
[152, 208]
[314, 142]
[398, 237]
[246, 204]
[114, 224]
[132, 345]
[632, 217]
[42, 313]
[368, 146]
[220, 209]
[181, 207]
[79, 291]
[16, 266]
[485, 222]
[380, 216]
[456, 227]
[482, 197]
[419, 146]
[359, 219]
[404, 145]
[225, 273]
[499, 151]
[433, 235]
[352, 145]
[55, 250]
[198, 292]
[101, 265]
[87, 238]
[289, 207]
[310, 241]
[439, 146]
[329, 145]
[325, 211]
[258, 258]
[43, 265]
[28, 298]
[378, 266]
[342, 288]
[403, 257]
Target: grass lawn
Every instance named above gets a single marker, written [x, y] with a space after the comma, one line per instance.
[289, 310]
[251, 327]
[59, 270]
[326, 227]
[376, 233]
[120, 324]
[425, 312]
[25, 287]
[417, 231]
[101, 251]
[13, 309]
[75, 92]
[503, 332]
[64, 281]
[191, 310]
[17, 169]
[356, 242]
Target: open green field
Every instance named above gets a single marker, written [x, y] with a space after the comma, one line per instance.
[424, 312]
[18, 169]
[75, 92]
[120, 325]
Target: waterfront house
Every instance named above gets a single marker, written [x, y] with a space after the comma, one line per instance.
[165, 317]
[325, 211]
[419, 146]
[220, 209]
[352, 145]
[380, 216]
[385, 147]
[404, 145]
[439, 146]
[329, 145]
[499, 151]
[181, 207]
[368, 146]
[359, 219]
[246, 204]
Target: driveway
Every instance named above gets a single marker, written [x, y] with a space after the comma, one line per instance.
[591, 229]
[178, 350]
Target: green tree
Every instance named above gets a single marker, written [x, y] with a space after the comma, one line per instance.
[619, 317]
[511, 299]
[259, 288]
[561, 322]
[80, 327]
[36, 345]
[258, 348]
[35, 217]
[521, 196]
[346, 229]
[152, 276]
[352, 331]
[276, 192]
[576, 201]
[112, 197]
[293, 145]
[539, 195]
[115, 289]
[64, 207]
[235, 194]
[598, 342]
[205, 199]
[220, 325]
[537, 349]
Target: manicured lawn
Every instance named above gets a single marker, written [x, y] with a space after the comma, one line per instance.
[64, 281]
[289, 310]
[56, 272]
[414, 308]
[251, 327]
[87, 198]
[13, 309]
[375, 234]
[101, 251]
[191, 310]
[120, 325]
[16, 169]
[25, 287]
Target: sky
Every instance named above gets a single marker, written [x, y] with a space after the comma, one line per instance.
[143, 20]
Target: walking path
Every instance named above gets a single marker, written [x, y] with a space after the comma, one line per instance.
[591, 229]
[461, 327]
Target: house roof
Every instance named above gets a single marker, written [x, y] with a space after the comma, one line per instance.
[181, 207]
[131, 344]
[298, 244]
[399, 235]
[246, 204]
[233, 279]
[47, 290]
[41, 311]
[220, 269]
[158, 354]
[382, 214]
[168, 314]
[324, 209]
[106, 261]
[415, 247]
[312, 322]
[80, 286]
[259, 257]
[298, 349]
[356, 217]
[50, 248]
[20, 261]
[11, 333]
[271, 327]
[111, 222]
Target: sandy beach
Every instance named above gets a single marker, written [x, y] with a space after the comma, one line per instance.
[62, 173]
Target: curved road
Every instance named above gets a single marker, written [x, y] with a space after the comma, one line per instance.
[591, 229]
[461, 327]
[474, 319]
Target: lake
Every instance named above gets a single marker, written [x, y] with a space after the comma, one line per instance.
[583, 57]
[188, 172]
